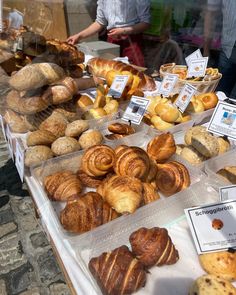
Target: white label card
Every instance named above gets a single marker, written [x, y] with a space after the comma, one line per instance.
[195, 55]
[3, 127]
[20, 159]
[118, 86]
[168, 84]
[227, 193]
[213, 226]
[197, 67]
[184, 97]
[136, 109]
[223, 120]
[10, 141]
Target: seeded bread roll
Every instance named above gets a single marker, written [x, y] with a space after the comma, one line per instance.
[224, 145]
[77, 127]
[206, 144]
[65, 145]
[40, 137]
[191, 132]
[90, 138]
[37, 154]
[190, 154]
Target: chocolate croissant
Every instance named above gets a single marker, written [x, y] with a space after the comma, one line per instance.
[162, 147]
[172, 177]
[153, 247]
[98, 160]
[118, 272]
[132, 161]
[61, 186]
[86, 212]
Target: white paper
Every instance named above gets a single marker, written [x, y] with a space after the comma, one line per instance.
[227, 193]
[118, 86]
[3, 127]
[168, 84]
[197, 67]
[184, 97]
[213, 226]
[10, 141]
[20, 159]
[195, 55]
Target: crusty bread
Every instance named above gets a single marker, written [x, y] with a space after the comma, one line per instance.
[37, 154]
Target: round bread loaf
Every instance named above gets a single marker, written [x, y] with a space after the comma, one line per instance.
[40, 137]
[206, 144]
[167, 112]
[77, 127]
[56, 124]
[90, 138]
[37, 154]
[65, 145]
[191, 132]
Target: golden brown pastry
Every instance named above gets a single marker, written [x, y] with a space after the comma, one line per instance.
[190, 154]
[149, 193]
[195, 106]
[167, 112]
[89, 181]
[17, 122]
[60, 186]
[70, 116]
[192, 131]
[95, 113]
[65, 145]
[206, 144]
[224, 145]
[160, 124]
[153, 247]
[132, 161]
[98, 160]
[209, 100]
[75, 71]
[76, 128]
[113, 136]
[111, 107]
[123, 193]
[162, 147]
[118, 272]
[36, 154]
[90, 138]
[56, 123]
[84, 101]
[86, 212]
[222, 264]
[229, 173]
[40, 137]
[172, 177]
[119, 148]
[121, 128]
[152, 172]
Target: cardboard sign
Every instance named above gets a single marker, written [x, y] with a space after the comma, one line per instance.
[10, 142]
[227, 193]
[20, 159]
[118, 86]
[195, 55]
[184, 97]
[168, 84]
[136, 109]
[197, 67]
[213, 226]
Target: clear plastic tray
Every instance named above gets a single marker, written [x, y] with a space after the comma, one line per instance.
[203, 117]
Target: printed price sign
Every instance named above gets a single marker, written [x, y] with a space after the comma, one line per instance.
[118, 86]
[10, 141]
[195, 55]
[213, 226]
[168, 84]
[223, 120]
[20, 159]
[184, 97]
[227, 193]
[136, 109]
[3, 127]
[197, 67]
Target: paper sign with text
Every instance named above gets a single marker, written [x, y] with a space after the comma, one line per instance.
[20, 159]
[168, 84]
[223, 120]
[118, 86]
[197, 67]
[195, 55]
[136, 109]
[3, 127]
[10, 142]
[184, 97]
[227, 193]
[213, 226]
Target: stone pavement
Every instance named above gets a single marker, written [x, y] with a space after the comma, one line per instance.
[27, 263]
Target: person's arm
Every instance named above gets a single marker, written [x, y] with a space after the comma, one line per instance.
[135, 29]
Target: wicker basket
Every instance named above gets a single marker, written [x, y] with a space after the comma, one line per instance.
[202, 86]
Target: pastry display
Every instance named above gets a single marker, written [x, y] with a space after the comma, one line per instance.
[76, 128]
[56, 123]
[40, 137]
[153, 247]
[149, 193]
[61, 186]
[90, 138]
[65, 145]
[118, 272]
[86, 212]
[228, 173]
[36, 154]
[89, 181]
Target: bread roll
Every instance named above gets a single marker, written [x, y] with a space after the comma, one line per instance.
[209, 100]
[159, 124]
[190, 154]
[65, 145]
[75, 128]
[37, 154]
[17, 122]
[111, 107]
[40, 137]
[229, 173]
[70, 116]
[192, 131]
[56, 123]
[224, 145]
[167, 112]
[84, 101]
[206, 144]
[195, 106]
[90, 138]
[121, 128]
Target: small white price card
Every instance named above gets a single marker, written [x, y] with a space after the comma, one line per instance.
[10, 141]
[136, 109]
[197, 67]
[223, 120]
[168, 84]
[184, 97]
[118, 86]
[195, 55]
[3, 127]
[227, 192]
[213, 226]
[20, 159]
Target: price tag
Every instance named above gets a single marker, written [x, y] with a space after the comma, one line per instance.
[20, 159]
[227, 193]
[168, 84]
[213, 226]
[184, 97]
[197, 67]
[136, 109]
[3, 127]
[118, 86]
[223, 120]
[195, 55]
[10, 141]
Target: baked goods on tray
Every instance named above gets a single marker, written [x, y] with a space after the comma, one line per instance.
[229, 173]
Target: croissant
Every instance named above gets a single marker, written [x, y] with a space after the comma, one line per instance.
[61, 186]
[86, 212]
[162, 147]
[123, 193]
[172, 177]
[132, 161]
[153, 247]
[119, 148]
[118, 272]
[121, 128]
[99, 67]
[152, 172]
[89, 181]
[149, 193]
[98, 160]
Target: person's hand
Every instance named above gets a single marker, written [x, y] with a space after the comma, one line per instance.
[73, 39]
[117, 32]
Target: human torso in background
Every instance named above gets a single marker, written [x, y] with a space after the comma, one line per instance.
[15, 19]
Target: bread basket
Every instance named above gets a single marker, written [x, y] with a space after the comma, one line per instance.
[207, 85]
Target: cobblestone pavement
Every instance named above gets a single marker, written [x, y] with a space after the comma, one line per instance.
[27, 263]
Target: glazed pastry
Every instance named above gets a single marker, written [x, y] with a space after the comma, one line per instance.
[206, 144]
[90, 138]
[222, 264]
[153, 247]
[98, 160]
[209, 100]
[162, 147]
[121, 128]
[160, 124]
[61, 186]
[229, 173]
[119, 148]
[84, 101]
[89, 181]
[149, 193]
[224, 145]
[132, 161]
[172, 177]
[123, 193]
[192, 131]
[114, 136]
[86, 212]
[152, 171]
[65, 145]
[190, 154]
[118, 272]
[195, 106]
[36, 154]
[76, 128]
[167, 112]
[40, 137]
[56, 124]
